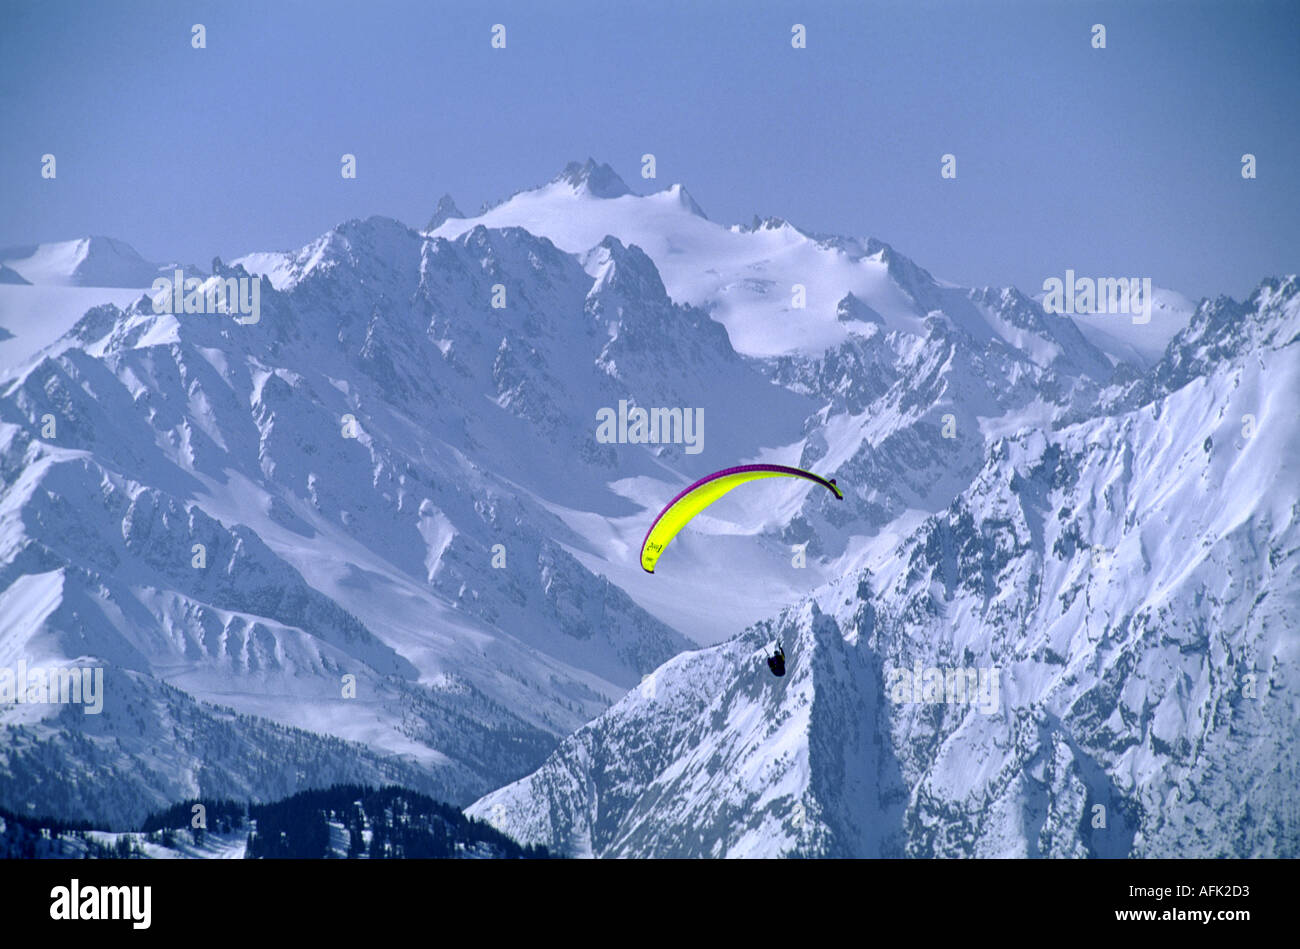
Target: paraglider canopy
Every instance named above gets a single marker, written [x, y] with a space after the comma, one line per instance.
[679, 511]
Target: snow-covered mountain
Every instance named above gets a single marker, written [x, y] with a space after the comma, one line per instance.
[174, 431]
[85, 262]
[394, 474]
[911, 375]
[1132, 583]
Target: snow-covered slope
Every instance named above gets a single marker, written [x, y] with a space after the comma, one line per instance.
[1134, 581]
[1140, 343]
[32, 317]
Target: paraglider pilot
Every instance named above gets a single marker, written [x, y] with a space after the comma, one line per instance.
[776, 661]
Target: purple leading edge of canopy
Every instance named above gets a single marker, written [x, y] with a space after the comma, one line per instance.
[776, 469]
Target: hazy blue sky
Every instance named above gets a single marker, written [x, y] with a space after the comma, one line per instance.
[1118, 161]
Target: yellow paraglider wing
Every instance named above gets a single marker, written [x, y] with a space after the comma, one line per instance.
[679, 511]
